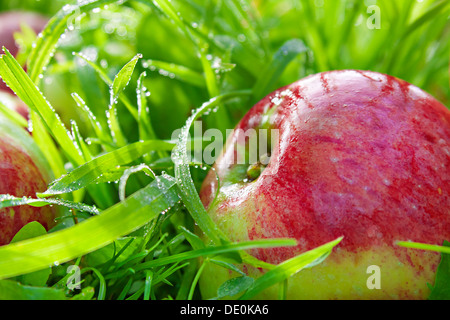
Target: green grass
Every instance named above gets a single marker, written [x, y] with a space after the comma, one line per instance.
[107, 96]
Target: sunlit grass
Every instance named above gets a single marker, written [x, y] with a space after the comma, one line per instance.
[129, 205]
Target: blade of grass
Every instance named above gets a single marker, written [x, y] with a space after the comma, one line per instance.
[180, 72]
[121, 80]
[216, 250]
[427, 17]
[288, 268]
[104, 77]
[47, 145]
[91, 234]
[13, 74]
[83, 175]
[146, 131]
[423, 246]
[183, 176]
[47, 42]
[96, 125]
[13, 115]
[11, 201]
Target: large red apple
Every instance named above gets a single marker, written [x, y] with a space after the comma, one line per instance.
[361, 155]
[10, 23]
[23, 172]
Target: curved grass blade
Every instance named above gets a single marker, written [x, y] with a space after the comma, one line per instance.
[11, 201]
[181, 161]
[91, 234]
[87, 173]
[288, 268]
[128, 172]
[47, 41]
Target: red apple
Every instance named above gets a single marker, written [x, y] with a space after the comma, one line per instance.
[361, 155]
[10, 23]
[23, 172]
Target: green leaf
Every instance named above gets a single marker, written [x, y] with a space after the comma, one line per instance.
[91, 234]
[11, 290]
[195, 241]
[227, 265]
[37, 278]
[234, 286]
[85, 294]
[30, 230]
[288, 268]
[441, 288]
[121, 80]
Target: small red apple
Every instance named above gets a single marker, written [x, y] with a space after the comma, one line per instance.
[361, 155]
[10, 23]
[23, 172]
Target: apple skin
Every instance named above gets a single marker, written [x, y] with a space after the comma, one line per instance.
[23, 172]
[11, 22]
[361, 155]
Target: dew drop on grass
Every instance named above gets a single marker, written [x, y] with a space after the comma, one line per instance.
[30, 125]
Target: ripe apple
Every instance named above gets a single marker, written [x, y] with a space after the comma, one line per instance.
[23, 172]
[10, 23]
[361, 155]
